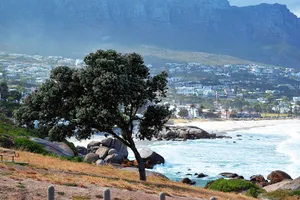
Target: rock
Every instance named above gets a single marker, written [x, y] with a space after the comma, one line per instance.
[185, 133]
[102, 152]
[229, 175]
[151, 158]
[82, 151]
[277, 176]
[257, 178]
[120, 147]
[65, 147]
[238, 135]
[114, 159]
[239, 177]
[188, 174]
[112, 151]
[277, 186]
[201, 175]
[213, 198]
[291, 185]
[188, 181]
[100, 162]
[93, 149]
[93, 143]
[91, 158]
[51, 147]
[107, 142]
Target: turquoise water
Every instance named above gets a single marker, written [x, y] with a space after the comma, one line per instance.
[258, 151]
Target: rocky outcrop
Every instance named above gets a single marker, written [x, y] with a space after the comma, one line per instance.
[291, 185]
[229, 175]
[109, 150]
[58, 149]
[82, 151]
[184, 133]
[259, 180]
[278, 176]
[151, 158]
[188, 181]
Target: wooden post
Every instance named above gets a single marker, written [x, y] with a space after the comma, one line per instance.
[162, 196]
[106, 194]
[51, 192]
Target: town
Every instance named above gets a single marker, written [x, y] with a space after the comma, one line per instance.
[195, 90]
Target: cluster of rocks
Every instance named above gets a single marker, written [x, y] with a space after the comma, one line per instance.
[273, 178]
[113, 151]
[109, 150]
[184, 133]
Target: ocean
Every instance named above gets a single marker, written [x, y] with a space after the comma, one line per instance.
[257, 151]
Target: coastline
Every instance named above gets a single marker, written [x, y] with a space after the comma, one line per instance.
[222, 127]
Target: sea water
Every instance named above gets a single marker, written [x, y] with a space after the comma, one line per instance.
[256, 151]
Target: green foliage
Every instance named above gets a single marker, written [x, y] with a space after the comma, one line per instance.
[9, 129]
[183, 112]
[235, 185]
[72, 146]
[28, 145]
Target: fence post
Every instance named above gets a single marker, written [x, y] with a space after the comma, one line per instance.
[51, 192]
[162, 196]
[106, 194]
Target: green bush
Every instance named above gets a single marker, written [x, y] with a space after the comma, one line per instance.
[236, 185]
[295, 193]
[28, 145]
[72, 146]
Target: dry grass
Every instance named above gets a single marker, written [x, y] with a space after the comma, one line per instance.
[56, 171]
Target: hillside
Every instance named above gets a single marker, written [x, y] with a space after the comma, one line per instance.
[264, 33]
[85, 181]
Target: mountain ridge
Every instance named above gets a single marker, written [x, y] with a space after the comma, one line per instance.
[264, 33]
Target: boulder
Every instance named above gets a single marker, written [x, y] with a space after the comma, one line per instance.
[239, 177]
[188, 181]
[201, 175]
[93, 144]
[278, 176]
[151, 158]
[291, 185]
[112, 151]
[91, 158]
[277, 186]
[259, 180]
[107, 142]
[119, 147]
[114, 159]
[93, 149]
[82, 151]
[100, 162]
[102, 152]
[65, 147]
[229, 175]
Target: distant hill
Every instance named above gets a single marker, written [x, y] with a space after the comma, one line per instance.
[263, 33]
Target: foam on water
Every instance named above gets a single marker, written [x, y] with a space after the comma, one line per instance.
[258, 151]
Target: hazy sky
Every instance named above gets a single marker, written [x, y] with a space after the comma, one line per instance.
[293, 5]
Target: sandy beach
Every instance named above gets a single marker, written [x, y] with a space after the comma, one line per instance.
[221, 127]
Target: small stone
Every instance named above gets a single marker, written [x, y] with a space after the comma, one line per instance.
[213, 198]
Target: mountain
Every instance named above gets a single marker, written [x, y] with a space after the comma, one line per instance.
[264, 33]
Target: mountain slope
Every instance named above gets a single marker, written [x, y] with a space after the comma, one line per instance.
[263, 33]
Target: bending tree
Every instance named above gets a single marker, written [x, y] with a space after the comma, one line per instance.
[105, 94]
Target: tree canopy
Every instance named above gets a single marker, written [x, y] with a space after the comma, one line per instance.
[108, 92]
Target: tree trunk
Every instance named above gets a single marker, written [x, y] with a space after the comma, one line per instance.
[141, 163]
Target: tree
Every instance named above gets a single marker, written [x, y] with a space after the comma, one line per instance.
[200, 109]
[107, 93]
[15, 96]
[3, 91]
[183, 112]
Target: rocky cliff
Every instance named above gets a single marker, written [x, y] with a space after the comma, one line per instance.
[263, 33]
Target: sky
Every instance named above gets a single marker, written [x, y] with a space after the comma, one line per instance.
[293, 5]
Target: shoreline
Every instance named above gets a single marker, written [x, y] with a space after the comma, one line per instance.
[222, 127]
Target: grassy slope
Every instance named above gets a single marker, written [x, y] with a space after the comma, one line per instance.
[82, 175]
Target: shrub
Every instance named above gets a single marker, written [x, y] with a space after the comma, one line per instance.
[281, 194]
[236, 185]
[72, 146]
[28, 145]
